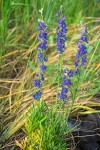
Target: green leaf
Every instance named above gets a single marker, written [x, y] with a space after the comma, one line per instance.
[0, 145]
[54, 79]
[31, 65]
[95, 91]
[50, 67]
[89, 48]
[12, 148]
[76, 37]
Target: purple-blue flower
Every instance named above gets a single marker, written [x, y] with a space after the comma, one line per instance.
[66, 81]
[37, 83]
[43, 35]
[84, 60]
[64, 90]
[76, 71]
[42, 77]
[39, 55]
[42, 46]
[84, 39]
[76, 63]
[45, 59]
[70, 73]
[41, 25]
[37, 95]
[43, 68]
[62, 96]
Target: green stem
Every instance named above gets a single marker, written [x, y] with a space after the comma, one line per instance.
[74, 94]
[59, 68]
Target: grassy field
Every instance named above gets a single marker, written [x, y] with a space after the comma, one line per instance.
[21, 117]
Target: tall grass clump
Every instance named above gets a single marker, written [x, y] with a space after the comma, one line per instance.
[45, 128]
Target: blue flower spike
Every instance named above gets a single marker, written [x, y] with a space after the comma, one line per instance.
[61, 31]
[41, 58]
[61, 38]
[82, 49]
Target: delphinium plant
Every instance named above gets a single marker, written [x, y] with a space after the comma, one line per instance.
[61, 38]
[45, 126]
[41, 58]
[75, 76]
[71, 79]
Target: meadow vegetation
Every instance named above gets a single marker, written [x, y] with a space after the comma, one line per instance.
[30, 124]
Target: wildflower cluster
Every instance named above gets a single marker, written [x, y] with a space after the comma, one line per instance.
[41, 58]
[61, 38]
[81, 61]
[82, 49]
